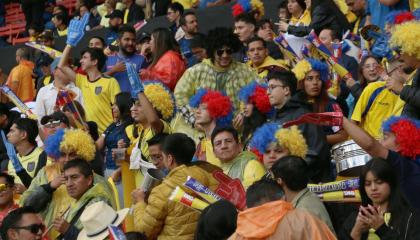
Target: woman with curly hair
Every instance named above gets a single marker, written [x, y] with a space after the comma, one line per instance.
[313, 82]
[47, 193]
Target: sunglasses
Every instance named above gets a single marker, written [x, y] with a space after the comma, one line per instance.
[220, 52]
[33, 228]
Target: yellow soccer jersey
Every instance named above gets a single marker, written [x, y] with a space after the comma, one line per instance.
[98, 96]
[29, 163]
[380, 109]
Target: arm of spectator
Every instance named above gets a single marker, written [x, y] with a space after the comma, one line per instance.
[150, 113]
[100, 143]
[411, 96]
[389, 3]
[216, 3]
[119, 67]
[150, 217]
[364, 140]
[62, 65]
[337, 137]
[38, 195]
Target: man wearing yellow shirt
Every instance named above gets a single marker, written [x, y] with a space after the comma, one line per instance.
[235, 162]
[97, 89]
[374, 106]
[260, 61]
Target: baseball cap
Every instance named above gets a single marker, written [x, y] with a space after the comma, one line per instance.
[116, 14]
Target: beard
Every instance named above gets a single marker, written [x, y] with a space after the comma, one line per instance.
[125, 52]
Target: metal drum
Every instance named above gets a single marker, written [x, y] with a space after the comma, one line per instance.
[349, 158]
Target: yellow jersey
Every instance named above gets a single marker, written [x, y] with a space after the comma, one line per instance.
[381, 107]
[29, 163]
[98, 96]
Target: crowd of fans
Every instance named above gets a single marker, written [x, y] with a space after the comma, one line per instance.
[303, 128]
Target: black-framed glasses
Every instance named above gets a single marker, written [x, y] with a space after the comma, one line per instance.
[272, 87]
[33, 228]
[220, 52]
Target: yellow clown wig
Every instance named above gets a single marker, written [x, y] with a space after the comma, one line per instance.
[406, 37]
[304, 66]
[289, 138]
[161, 98]
[70, 141]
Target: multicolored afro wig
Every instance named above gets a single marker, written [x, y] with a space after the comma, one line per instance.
[407, 134]
[290, 138]
[219, 105]
[161, 98]
[306, 65]
[248, 6]
[70, 141]
[406, 37]
[256, 94]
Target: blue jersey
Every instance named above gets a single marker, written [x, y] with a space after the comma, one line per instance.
[122, 77]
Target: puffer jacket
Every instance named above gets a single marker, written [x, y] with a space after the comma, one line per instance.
[164, 219]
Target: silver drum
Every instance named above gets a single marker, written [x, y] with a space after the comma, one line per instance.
[349, 158]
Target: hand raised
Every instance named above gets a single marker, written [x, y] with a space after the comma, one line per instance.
[76, 30]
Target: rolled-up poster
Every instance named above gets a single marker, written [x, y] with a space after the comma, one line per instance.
[344, 185]
[340, 196]
[179, 195]
[19, 104]
[201, 190]
[45, 49]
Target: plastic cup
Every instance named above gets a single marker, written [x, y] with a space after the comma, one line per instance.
[119, 155]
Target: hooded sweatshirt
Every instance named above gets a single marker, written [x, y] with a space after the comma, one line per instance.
[279, 220]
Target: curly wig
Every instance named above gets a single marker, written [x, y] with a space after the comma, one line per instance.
[79, 142]
[304, 66]
[220, 37]
[407, 133]
[52, 144]
[161, 98]
[256, 94]
[289, 138]
[406, 37]
[219, 105]
[247, 6]
[292, 139]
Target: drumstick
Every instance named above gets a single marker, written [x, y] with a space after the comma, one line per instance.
[51, 226]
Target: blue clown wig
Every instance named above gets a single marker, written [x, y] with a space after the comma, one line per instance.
[219, 105]
[52, 144]
[264, 136]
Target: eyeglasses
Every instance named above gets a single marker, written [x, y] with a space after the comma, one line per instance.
[33, 228]
[220, 52]
[272, 87]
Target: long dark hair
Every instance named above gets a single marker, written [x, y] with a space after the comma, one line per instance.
[362, 79]
[321, 101]
[383, 170]
[124, 102]
[251, 123]
[164, 41]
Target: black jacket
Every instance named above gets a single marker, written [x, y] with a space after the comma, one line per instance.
[407, 229]
[318, 157]
[411, 97]
[135, 14]
[324, 15]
